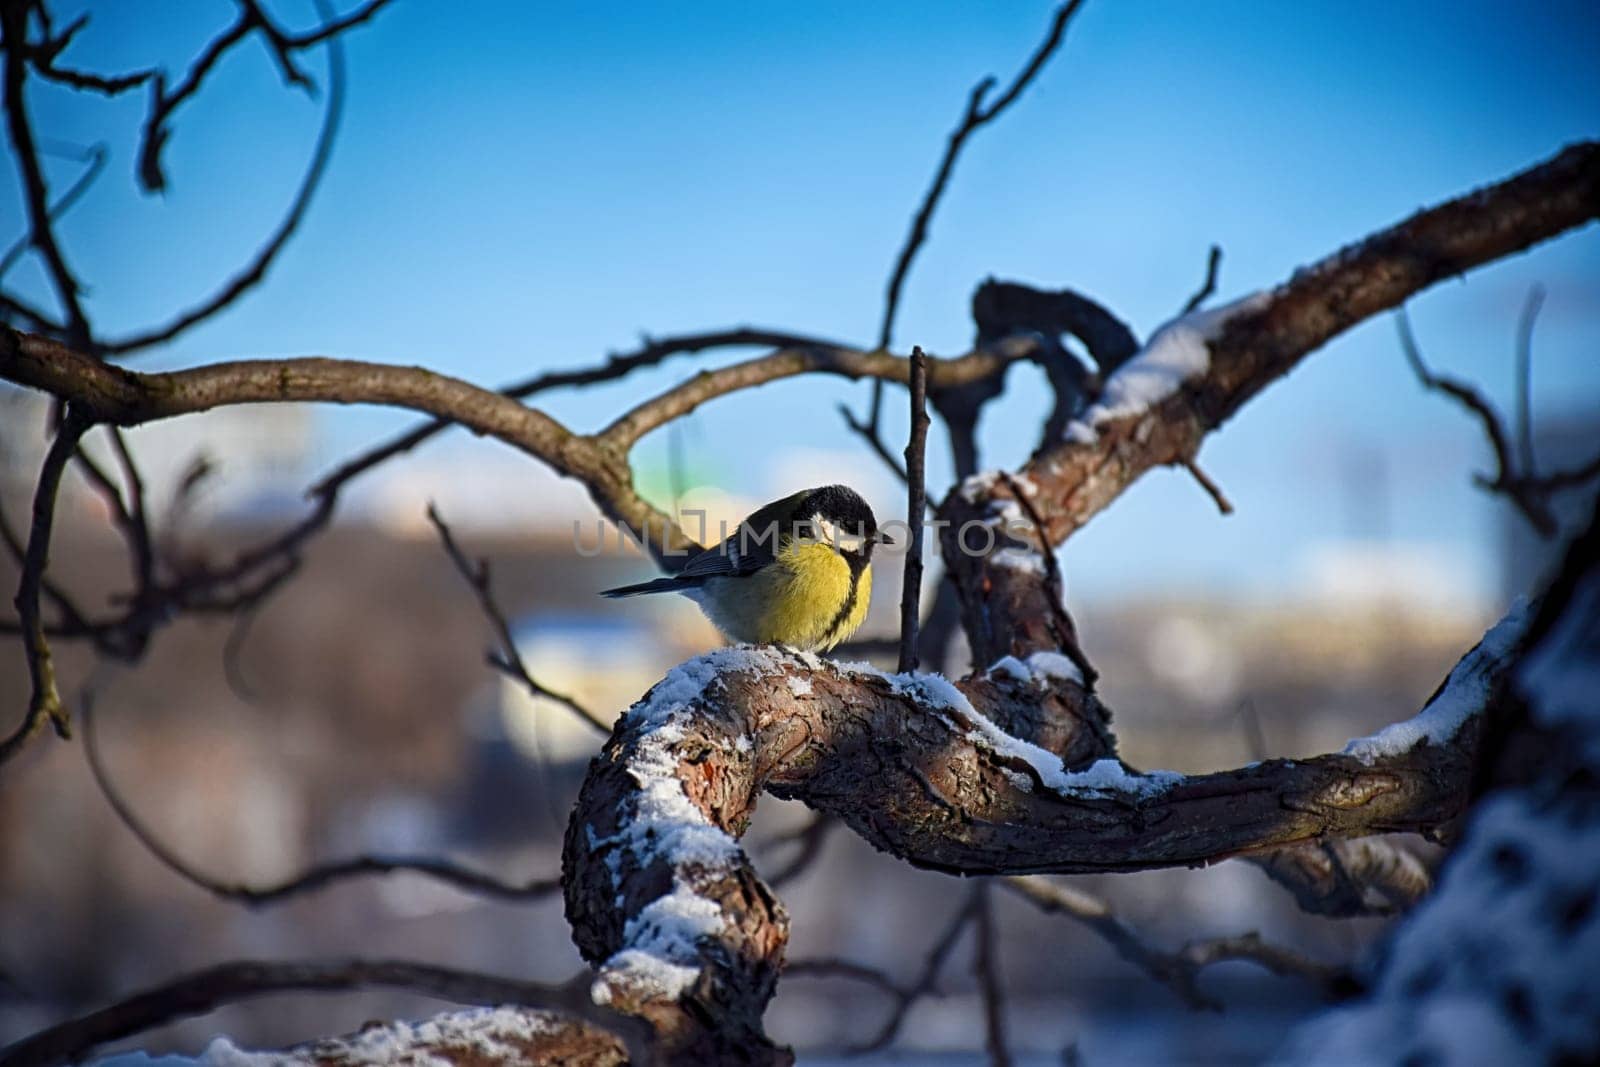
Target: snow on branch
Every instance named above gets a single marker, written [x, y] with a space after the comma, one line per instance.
[1459, 697]
[667, 905]
[1200, 369]
[1178, 352]
[1497, 966]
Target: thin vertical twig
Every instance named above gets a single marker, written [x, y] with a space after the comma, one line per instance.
[972, 118]
[1209, 286]
[986, 968]
[916, 501]
[45, 703]
[1530, 315]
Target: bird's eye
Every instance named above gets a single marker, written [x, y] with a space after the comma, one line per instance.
[805, 531]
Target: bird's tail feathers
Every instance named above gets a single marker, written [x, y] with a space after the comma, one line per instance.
[659, 585]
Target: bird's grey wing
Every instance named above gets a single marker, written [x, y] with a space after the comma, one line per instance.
[740, 555]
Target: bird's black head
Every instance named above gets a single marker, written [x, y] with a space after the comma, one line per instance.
[837, 514]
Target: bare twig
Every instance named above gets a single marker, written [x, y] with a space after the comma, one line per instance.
[73, 622]
[848, 969]
[316, 878]
[986, 968]
[1179, 971]
[16, 310]
[916, 504]
[1527, 490]
[207, 990]
[94, 160]
[43, 55]
[1212, 489]
[1209, 286]
[868, 432]
[251, 18]
[507, 659]
[812, 836]
[973, 118]
[44, 705]
[927, 983]
[254, 271]
[14, 31]
[1530, 315]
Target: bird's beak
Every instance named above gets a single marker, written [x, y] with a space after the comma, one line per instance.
[883, 539]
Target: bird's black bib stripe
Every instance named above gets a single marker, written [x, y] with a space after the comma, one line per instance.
[857, 565]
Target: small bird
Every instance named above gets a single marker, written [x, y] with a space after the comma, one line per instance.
[798, 572]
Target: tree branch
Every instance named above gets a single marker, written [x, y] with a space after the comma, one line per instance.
[45, 702]
[916, 502]
[1250, 345]
[312, 880]
[975, 117]
[156, 133]
[1515, 477]
[14, 40]
[507, 660]
[1178, 971]
[205, 991]
[922, 769]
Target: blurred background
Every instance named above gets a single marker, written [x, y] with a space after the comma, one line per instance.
[526, 187]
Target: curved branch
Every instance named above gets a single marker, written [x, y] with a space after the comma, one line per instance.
[626, 430]
[128, 398]
[45, 702]
[310, 881]
[14, 41]
[975, 116]
[256, 269]
[661, 897]
[1201, 368]
[205, 991]
[1179, 971]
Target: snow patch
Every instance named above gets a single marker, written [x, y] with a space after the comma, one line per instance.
[1019, 559]
[1461, 697]
[976, 486]
[800, 687]
[1102, 777]
[493, 1034]
[659, 955]
[1039, 666]
[1177, 352]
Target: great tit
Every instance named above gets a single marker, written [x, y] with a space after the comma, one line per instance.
[798, 572]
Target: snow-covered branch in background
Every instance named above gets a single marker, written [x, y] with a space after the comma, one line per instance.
[1498, 965]
[1178, 352]
[1461, 696]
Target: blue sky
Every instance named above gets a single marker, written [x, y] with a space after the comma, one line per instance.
[530, 186]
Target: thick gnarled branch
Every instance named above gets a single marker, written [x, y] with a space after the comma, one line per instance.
[662, 899]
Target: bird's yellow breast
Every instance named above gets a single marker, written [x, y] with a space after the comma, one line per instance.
[807, 598]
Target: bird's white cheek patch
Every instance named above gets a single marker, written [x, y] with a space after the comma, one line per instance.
[837, 536]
